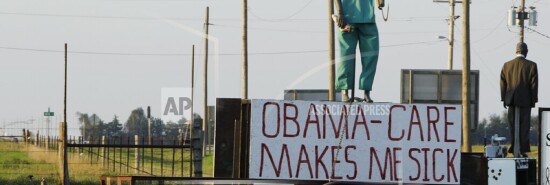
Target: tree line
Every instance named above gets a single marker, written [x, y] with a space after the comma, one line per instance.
[136, 124]
[498, 124]
[92, 125]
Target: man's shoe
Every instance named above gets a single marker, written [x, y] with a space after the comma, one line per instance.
[367, 97]
[345, 97]
[524, 155]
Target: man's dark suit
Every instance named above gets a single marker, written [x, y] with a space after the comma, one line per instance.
[519, 88]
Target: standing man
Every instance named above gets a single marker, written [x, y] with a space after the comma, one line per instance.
[356, 21]
[519, 88]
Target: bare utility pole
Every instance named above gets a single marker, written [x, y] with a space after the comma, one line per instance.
[245, 50]
[451, 33]
[205, 107]
[63, 134]
[466, 147]
[192, 113]
[451, 37]
[331, 94]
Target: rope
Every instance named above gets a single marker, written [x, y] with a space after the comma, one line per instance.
[341, 137]
[385, 17]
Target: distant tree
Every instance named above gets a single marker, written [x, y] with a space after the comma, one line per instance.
[136, 123]
[173, 130]
[96, 127]
[84, 122]
[496, 124]
[157, 127]
[113, 128]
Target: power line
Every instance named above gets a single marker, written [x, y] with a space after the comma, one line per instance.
[105, 17]
[283, 19]
[139, 18]
[184, 54]
[270, 29]
[538, 32]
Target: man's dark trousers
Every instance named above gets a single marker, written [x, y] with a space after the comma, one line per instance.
[524, 123]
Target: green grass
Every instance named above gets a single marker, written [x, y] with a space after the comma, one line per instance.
[18, 161]
[16, 165]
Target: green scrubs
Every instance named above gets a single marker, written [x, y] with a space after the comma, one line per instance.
[360, 15]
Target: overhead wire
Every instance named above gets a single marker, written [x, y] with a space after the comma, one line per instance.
[185, 54]
[282, 19]
[154, 54]
[537, 32]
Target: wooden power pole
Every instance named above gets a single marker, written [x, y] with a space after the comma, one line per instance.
[522, 21]
[451, 33]
[466, 147]
[63, 135]
[205, 119]
[331, 92]
[245, 50]
[192, 113]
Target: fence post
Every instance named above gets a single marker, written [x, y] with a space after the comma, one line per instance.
[161, 157]
[197, 147]
[173, 157]
[25, 136]
[36, 139]
[90, 149]
[128, 156]
[79, 142]
[103, 151]
[136, 153]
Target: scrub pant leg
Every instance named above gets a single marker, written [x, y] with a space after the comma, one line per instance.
[369, 47]
[366, 35]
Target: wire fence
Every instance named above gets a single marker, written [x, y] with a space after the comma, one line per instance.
[31, 158]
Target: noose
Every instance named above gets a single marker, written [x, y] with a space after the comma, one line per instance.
[380, 6]
[385, 17]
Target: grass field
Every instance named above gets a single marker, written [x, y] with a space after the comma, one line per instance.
[19, 160]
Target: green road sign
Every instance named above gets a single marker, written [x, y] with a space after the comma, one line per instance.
[48, 113]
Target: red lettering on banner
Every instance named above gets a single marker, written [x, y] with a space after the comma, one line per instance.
[325, 112]
[434, 167]
[417, 164]
[335, 162]
[351, 162]
[387, 162]
[303, 152]
[284, 153]
[390, 124]
[425, 150]
[414, 113]
[312, 110]
[278, 120]
[361, 113]
[293, 119]
[343, 117]
[451, 166]
[447, 123]
[432, 122]
[395, 162]
[319, 161]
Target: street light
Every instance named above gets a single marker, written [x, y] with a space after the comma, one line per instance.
[451, 43]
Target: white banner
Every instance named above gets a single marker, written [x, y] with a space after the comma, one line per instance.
[544, 164]
[363, 142]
